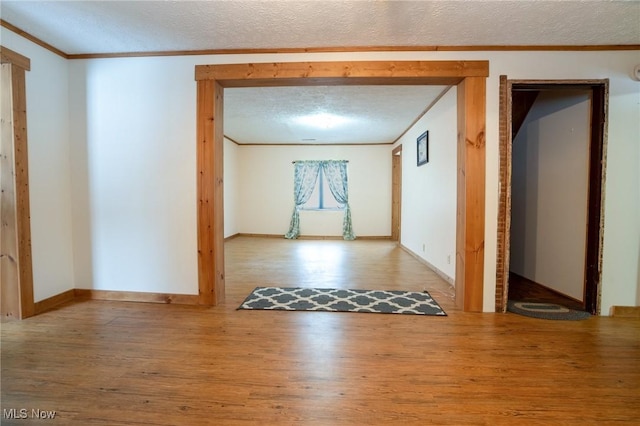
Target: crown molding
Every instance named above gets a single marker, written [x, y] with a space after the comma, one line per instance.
[334, 49]
[355, 49]
[33, 39]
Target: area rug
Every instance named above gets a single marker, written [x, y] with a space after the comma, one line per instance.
[342, 300]
[548, 311]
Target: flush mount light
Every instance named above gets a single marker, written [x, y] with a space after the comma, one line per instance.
[322, 120]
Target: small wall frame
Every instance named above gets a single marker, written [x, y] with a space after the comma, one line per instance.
[423, 148]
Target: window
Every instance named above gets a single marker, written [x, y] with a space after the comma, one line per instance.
[321, 197]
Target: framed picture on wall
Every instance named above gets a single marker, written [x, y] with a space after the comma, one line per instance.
[423, 148]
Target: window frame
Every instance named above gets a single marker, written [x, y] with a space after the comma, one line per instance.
[320, 183]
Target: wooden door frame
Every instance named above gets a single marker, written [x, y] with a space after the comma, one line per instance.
[396, 193]
[597, 173]
[470, 78]
[15, 248]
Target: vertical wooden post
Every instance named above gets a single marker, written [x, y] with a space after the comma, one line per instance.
[471, 194]
[396, 192]
[15, 242]
[210, 142]
[504, 196]
[9, 277]
[22, 190]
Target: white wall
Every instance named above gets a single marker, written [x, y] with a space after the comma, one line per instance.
[549, 192]
[134, 171]
[266, 189]
[621, 257]
[138, 208]
[231, 187]
[429, 191]
[49, 181]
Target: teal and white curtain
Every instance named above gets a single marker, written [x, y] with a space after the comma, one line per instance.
[336, 173]
[305, 179]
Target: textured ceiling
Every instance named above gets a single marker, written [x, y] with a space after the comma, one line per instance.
[366, 114]
[77, 27]
[376, 114]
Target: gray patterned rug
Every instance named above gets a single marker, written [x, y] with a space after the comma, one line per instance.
[342, 300]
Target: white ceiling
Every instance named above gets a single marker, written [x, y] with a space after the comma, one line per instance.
[77, 27]
[378, 114]
[366, 114]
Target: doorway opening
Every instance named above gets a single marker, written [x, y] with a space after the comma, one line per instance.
[470, 78]
[396, 193]
[552, 171]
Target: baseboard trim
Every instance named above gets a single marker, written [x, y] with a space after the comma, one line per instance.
[53, 301]
[440, 273]
[244, 234]
[625, 311]
[374, 237]
[121, 296]
[134, 296]
[311, 237]
[231, 237]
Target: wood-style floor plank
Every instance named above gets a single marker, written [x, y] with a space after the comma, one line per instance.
[524, 290]
[119, 363]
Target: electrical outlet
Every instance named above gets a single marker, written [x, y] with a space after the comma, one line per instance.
[449, 259]
[424, 247]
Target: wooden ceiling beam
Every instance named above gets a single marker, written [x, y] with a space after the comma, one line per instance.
[358, 73]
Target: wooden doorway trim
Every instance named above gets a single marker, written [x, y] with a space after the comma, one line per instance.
[396, 193]
[597, 171]
[470, 78]
[16, 272]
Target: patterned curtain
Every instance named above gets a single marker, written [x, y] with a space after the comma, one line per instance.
[304, 181]
[336, 174]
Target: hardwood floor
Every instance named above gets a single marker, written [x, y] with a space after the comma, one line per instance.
[119, 363]
[525, 290]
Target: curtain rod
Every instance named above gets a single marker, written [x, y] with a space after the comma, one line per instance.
[297, 161]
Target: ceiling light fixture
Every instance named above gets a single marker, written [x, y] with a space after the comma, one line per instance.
[322, 120]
